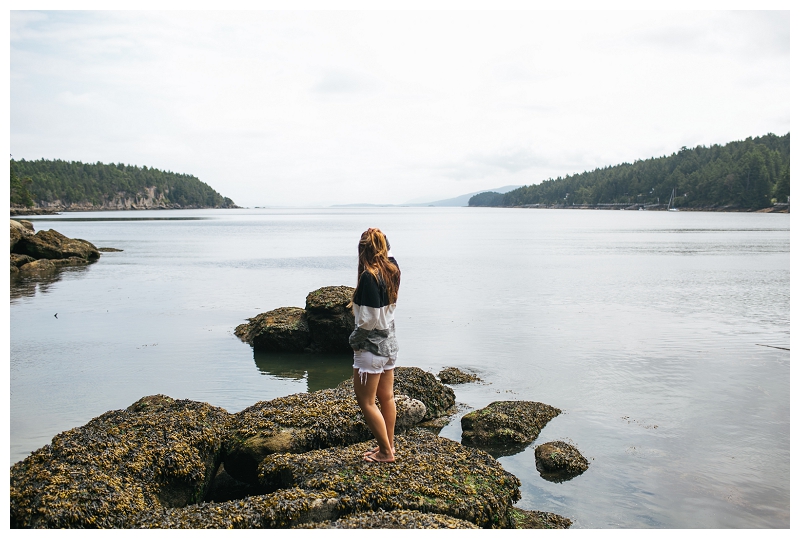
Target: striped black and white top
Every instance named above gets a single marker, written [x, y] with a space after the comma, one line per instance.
[374, 316]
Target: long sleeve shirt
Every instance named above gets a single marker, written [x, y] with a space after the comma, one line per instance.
[374, 317]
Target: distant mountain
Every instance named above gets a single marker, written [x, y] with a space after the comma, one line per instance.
[463, 200]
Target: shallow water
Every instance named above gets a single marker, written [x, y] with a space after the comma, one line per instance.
[643, 327]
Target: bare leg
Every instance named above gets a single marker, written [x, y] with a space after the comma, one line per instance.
[365, 395]
[385, 394]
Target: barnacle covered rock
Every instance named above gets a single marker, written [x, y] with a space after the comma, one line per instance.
[281, 330]
[430, 474]
[329, 319]
[506, 422]
[301, 422]
[559, 461]
[282, 509]
[159, 452]
[452, 376]
[423, 386]
[539, 520]
[399, 519]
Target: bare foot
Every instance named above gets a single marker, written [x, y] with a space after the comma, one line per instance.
[379, 457]
[375, 450]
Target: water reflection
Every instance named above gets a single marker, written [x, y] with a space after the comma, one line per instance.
[498, 451]
[26, 286]
[322, 371]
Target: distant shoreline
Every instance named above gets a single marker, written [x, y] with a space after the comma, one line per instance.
[782, 208]
[54, 211]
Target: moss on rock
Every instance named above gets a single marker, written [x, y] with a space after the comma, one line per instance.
[559, 461]
[282, 509]
[281, 330]
[452, 376]
[431, 474]
[302, 422]
[399, 519]
[329, 318]
[506, 422]
[119, 464]
[538, 520]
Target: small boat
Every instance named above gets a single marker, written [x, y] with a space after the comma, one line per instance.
[671, 203]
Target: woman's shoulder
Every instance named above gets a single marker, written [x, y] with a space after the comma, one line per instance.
[368, 292]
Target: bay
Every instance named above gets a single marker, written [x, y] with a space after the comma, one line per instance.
[645, 328]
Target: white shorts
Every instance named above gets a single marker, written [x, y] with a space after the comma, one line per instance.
[368, 363]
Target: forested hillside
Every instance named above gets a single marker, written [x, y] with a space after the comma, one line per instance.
[748, 174]
[75, 185]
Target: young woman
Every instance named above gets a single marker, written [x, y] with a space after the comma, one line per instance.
[373, 340]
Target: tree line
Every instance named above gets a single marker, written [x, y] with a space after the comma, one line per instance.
[748, 174]
[45, 181]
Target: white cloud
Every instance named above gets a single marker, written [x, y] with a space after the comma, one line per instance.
[383, 107]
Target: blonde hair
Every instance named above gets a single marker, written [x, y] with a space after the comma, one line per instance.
[373, 258]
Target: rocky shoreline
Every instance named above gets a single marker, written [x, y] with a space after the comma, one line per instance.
[295, 461]
[47, 250]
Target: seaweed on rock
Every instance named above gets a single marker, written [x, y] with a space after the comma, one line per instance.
[506, 422]
[399, 519]
[430, 474]
[282, 509]
[159, 452]
[302, 422]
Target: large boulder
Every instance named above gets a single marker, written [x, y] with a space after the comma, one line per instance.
[506, 422]
[422, 386]
[281, 330]
[559, 461]
[430, 474]
[403, 519]
[330, 320]
[157, 453]
[53, 245]
[302, 422]
[282, 509]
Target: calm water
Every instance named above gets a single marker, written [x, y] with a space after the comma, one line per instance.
[644, 327]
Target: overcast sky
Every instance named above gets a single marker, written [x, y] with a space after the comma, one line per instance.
[320, 108]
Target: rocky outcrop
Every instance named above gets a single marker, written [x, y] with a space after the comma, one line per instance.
[46, 250]
[323, 326]
[157, 453]
[54, 245]
[159, 464]
[329, 319]
[452, 376]
[281, 509]
[506, 422]
[559, 461]
[302, 422]
[402, 519]
[280, 330]
[430, 474]
[422, 386]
